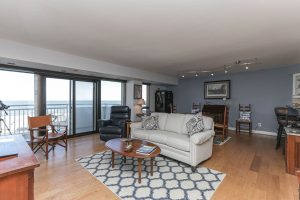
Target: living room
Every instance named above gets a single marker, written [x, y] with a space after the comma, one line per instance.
[145, 100]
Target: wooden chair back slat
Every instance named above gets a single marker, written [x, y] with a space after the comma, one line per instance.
[246, 108]
[40, 121]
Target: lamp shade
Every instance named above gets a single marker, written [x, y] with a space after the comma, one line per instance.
[140, 102]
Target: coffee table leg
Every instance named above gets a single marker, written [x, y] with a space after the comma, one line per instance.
[151, 166]
[140, 168]
[113, 159]
[124, 159]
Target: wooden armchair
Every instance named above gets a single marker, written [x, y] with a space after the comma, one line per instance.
[40, 135]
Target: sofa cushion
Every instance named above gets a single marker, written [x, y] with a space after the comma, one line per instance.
[141, 134]
[195, 124]
[162, 119]
[110, 130]
[178, 141]
[158, 136]
[175, 123]
[150, 123]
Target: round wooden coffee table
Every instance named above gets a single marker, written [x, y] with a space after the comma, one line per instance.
[118, 146]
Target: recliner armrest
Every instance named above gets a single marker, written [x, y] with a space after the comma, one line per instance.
[103, 123]
[201, 137]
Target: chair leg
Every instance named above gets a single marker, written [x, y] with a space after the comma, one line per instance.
[279, 133]
[223, 134]
[31, 145]
[193, 168]
[66, 142]
[47, 151]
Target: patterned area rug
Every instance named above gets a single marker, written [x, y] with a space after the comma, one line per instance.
[170, 180]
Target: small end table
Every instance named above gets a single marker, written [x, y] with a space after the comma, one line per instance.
[128, 129]
[238, 124]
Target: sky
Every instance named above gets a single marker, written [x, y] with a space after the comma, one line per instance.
[15, 86]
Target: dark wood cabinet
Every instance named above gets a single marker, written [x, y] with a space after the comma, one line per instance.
[17, 173]
[292, 152]
[163, 101]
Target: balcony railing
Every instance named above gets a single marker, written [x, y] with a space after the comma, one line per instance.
[17, 122]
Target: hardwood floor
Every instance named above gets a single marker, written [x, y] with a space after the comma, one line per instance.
[255, 170]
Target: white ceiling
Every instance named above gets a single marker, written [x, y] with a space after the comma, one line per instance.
[165, 36]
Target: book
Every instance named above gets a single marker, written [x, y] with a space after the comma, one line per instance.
[146, 150]
[7, 149]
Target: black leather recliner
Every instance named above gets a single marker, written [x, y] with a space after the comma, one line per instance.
[116, 126]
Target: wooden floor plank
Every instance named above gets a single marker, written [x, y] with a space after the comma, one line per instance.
[255, 170]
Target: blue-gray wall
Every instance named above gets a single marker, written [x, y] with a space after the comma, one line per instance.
[264, 90]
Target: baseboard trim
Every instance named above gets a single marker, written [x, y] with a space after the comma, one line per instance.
[258, 132]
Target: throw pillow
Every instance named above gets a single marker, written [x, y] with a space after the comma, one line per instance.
[195, 124]
[150, 123]
[245, 115]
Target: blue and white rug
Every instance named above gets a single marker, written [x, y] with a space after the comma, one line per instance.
[170, 180]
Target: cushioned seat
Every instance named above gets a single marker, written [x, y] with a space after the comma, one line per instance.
[141, 134]
[158, 136]
[174, 140]
[178, 141]
[115, 127]
[112, 130]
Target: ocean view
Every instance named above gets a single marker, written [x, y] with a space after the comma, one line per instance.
[18, 112]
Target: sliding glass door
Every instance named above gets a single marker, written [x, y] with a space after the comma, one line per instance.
[58, 100]
[84, 106]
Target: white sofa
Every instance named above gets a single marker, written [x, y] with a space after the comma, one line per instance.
[173, 139]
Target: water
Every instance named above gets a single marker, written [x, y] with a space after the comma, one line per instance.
[19, 111]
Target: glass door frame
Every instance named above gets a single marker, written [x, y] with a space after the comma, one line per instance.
[95, 99]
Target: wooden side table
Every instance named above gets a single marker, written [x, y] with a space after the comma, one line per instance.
[128, 129]
[241, 122]
[292, 154]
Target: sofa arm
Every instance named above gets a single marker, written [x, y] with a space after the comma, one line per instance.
[201, 137]
[134, 125]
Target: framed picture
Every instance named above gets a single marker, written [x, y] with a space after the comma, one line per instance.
[137, 92]
[296, 85]
[217, 89]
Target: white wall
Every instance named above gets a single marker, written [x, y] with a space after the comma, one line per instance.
[35, 57]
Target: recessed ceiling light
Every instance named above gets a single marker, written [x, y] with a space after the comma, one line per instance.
[247, 67]
[212, 74]
[182, 76]
[205, 71]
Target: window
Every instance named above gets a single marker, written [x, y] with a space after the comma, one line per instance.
[16, 91]
[58, 100]
[145, 94]
[111, 95]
